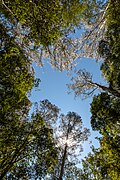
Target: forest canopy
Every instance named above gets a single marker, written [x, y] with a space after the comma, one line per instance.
[47, 144]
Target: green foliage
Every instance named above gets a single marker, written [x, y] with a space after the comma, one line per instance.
[43, 28]
[105, 111]
[104, 162]
[47, 19]
[27, 149]
[16, 75]
[109, 48]
[94, 167]
[110, 148]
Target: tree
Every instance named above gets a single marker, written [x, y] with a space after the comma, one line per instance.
[27, 149]
[69, 137]
[82, 84]
[104, 162]
[105, 118]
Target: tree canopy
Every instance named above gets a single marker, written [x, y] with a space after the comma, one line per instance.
[47, 144]
[43, 29]
[22, 139]
[104, 162]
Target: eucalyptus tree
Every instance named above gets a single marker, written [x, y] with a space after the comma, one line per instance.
[84, 86]
[69, 135]
[109, 51]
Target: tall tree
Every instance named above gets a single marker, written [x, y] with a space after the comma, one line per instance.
[104, 162]
[70, 136]
[84, 86]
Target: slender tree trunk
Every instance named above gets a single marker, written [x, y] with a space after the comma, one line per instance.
[63, 162]
[107, 89]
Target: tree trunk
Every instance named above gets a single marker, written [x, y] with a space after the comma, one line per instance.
[108, 89]
[63, 162]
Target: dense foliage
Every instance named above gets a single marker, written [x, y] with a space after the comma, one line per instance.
[24, 142]
[43, 28]
[104, 162]
[47, 20]
[47, 144]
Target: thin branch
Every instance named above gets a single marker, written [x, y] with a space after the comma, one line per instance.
[102, 20]
[7, 8]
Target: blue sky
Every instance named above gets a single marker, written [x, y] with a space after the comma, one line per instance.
[53, 87]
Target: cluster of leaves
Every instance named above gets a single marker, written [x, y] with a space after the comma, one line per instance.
[27, 149]
[17, 75]
[110, 49]
[47, 20]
